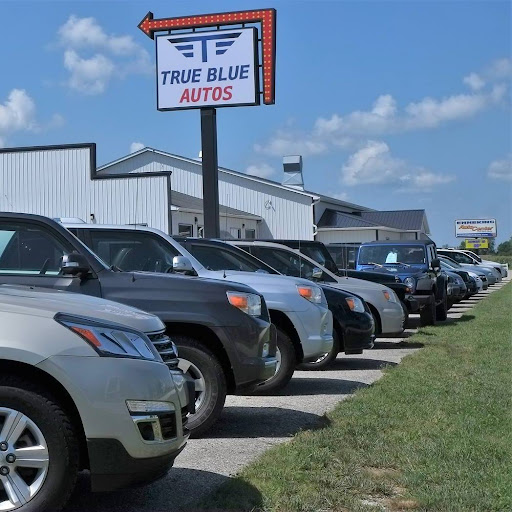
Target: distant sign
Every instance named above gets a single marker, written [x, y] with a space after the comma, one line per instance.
[207, 69]
[475, 228]
[477, 243]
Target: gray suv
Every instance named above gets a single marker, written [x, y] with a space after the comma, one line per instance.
[81, 387]
[222, 329]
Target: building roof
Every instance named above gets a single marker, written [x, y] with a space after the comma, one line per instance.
[400, 219]
[194, 161]
[334, 219]
[407, 220]
[186, 202]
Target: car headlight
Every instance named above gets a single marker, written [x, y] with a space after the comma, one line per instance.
[111, 340]
[410, 282]
[249, 303]
[312, 293]
[355, 304]
[389, 295]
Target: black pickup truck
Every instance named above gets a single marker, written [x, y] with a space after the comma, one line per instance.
[221, 347]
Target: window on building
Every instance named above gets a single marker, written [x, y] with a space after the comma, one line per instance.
[185, 230]
[250, 233]
[235, 232]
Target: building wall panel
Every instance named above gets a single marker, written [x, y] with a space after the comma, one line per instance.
[57, 183]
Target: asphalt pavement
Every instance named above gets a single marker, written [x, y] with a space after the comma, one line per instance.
[251, 425]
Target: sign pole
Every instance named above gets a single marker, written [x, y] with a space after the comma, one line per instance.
[210, 168]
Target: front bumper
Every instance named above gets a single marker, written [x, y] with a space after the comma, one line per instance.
[314, 328]
[113, 468]
[392, 318]
[244, 345]
[358, 333]
[99, 388]
[412, 303]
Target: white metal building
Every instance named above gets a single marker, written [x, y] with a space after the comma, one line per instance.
[164, 191]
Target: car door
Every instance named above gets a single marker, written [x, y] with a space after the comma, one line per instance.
[31, 254]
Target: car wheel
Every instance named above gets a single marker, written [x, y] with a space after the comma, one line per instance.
[38, 450]
[326, 359]
[204, 368]
[428, 313]
[286, 363]
[442, 309]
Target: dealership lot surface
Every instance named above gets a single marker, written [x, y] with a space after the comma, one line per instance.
[250, 425]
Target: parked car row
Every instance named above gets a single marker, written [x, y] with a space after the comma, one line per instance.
[120, 342]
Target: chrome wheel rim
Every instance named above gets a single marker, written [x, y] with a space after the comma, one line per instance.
[278, 357]
[199, 381]
[24, 459]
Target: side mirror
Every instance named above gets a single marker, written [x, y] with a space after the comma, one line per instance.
[75, 264]
[436, 265]
[317, 273]
[182, 265]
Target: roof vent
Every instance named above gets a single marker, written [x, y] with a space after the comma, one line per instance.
[292, 166]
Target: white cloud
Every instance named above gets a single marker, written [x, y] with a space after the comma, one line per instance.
[285, 143]
[474, 81]
[89, 76]
[373, 163]
[386, 117]
[18, 112]
[136, 146]
[342, 196]
[93, 57]
[501, 169]
[260, 170]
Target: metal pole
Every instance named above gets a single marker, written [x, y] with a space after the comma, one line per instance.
[210, 173]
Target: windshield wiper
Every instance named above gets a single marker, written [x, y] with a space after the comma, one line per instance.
[375, 264]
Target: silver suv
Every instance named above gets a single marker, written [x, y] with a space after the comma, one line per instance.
[82, 387]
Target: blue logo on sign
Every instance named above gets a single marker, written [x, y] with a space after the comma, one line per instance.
[187, 47]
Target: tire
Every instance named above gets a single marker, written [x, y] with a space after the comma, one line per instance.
[323, 362]
[286, 366]
[49, 426]
[442, 309]
[376, 321]
[428, 313]
[202, 365]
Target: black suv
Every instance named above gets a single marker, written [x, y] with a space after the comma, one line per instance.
[221, 347]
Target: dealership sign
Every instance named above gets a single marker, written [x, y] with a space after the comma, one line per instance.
[472, 228]
[477, 243]
[207, 69]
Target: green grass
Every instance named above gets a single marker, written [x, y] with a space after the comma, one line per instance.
[435, 433]
[499, 259]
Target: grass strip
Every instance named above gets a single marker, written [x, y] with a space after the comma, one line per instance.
[435, 433]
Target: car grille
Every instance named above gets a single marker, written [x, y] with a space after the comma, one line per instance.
[484, 279]
[164, 347]
[168, 425]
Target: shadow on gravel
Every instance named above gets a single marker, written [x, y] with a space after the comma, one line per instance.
[253, 422]
[180, 488]
[402, 345]
[360, 364]
[304, 386]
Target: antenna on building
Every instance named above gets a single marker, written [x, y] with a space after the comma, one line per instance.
[292, 166]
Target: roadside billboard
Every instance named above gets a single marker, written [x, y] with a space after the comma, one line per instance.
[465, 228]
[477, 243]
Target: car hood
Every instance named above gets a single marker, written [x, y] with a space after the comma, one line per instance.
[259, 279]
[29, 300]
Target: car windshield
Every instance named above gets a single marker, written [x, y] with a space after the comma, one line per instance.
[229, 258]
[320, 255]
[391, 255]
[449, 262]
[459, 257]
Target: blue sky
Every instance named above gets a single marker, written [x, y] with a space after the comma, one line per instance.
[393, 105]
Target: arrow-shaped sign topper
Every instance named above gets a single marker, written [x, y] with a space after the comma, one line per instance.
[267, 18]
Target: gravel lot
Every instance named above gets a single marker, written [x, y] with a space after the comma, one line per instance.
[250, 425]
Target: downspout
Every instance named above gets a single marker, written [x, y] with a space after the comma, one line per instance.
[169, 204]
[315, 227]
